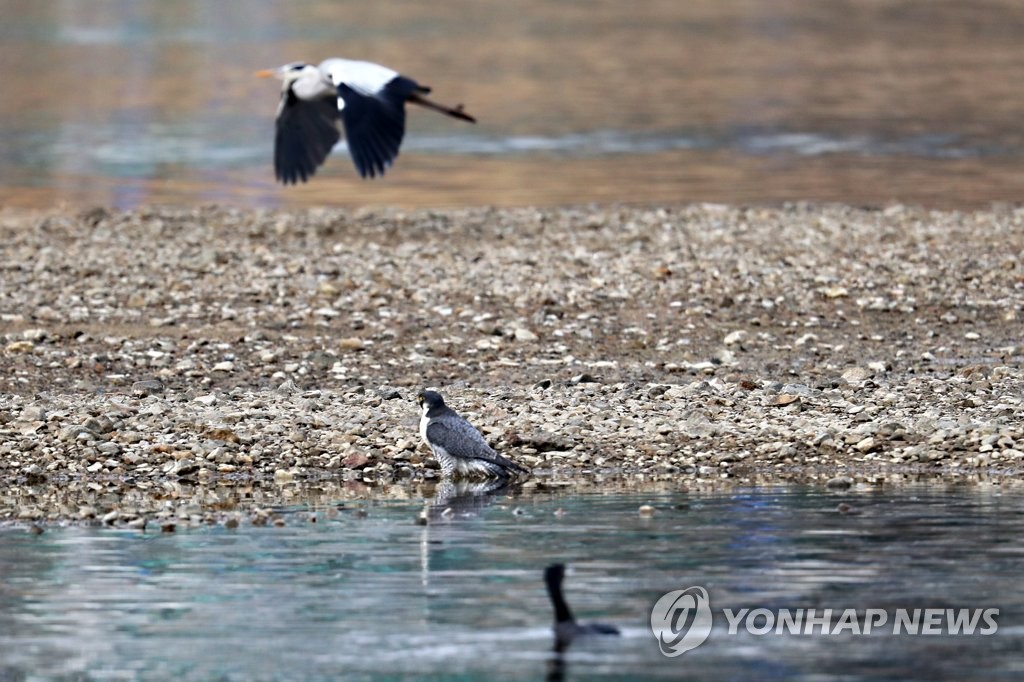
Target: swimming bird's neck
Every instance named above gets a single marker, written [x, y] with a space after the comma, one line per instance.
[562, 612]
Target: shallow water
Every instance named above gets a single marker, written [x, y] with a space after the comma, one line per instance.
[127, 102]
[365, 592]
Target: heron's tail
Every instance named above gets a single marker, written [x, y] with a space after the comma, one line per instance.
[454, 112]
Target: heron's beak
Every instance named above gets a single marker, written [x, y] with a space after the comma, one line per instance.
[265, 73]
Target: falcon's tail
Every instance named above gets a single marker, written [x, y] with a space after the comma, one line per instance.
[514, 470]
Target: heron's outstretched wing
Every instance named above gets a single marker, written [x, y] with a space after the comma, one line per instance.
[307, 130]
[375, 123]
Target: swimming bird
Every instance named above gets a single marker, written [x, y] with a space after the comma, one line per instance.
[367, 98]
[458, 446]
[566, 628]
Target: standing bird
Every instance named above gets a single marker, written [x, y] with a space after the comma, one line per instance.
[566, 628]
[458, 447]
[368, 98]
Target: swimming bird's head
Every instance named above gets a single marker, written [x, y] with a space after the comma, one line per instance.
[554, 574]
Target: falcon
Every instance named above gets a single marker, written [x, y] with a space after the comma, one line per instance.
[459, 448]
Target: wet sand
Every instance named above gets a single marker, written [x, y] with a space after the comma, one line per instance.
[156, 360]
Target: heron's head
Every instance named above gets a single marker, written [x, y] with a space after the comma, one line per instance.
[290, 72]
[429, 399]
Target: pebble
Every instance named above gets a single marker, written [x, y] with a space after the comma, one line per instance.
[523, 334]
[856, 375]
[147, 387]
[866, 444]
[734, 337]
[109, 448]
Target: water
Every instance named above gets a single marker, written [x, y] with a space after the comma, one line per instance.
[366, 593]
[126, 102]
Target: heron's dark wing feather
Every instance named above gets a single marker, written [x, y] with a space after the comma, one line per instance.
[307, 130]
[375, 124]
[466, 442]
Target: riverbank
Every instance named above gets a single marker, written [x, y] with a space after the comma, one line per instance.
[210, 346]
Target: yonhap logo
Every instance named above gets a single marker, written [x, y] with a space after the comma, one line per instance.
[681, 620]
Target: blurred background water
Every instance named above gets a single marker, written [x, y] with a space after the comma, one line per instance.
[126, 102]
[366, 593]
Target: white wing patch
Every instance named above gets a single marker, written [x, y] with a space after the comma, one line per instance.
[364, 77]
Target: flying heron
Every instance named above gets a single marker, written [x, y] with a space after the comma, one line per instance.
[369, 99]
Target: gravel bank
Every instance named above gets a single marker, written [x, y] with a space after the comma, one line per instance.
[211, 346]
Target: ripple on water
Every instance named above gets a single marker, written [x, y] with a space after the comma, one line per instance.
[381, 595]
